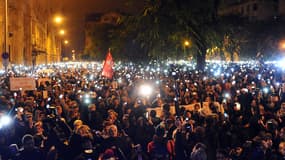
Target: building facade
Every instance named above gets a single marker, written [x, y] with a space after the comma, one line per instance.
[253, 9]
[31, 37]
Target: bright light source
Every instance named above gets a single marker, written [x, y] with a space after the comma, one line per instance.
[282, 45]
[66, 42]
[145, 90]
[281, 63]
[87, 100]
[265, 90]
[58, 19]
[86, 96]
[227, 95]
[5, 120]
[186, 43]
[62, 32]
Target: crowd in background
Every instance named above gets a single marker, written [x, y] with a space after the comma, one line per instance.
[76, 114]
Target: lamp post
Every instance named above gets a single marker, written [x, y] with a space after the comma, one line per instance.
[186, 44]
[64, 44]
[5, 54]
[59, 34]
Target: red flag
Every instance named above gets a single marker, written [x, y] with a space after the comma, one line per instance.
[108, 66]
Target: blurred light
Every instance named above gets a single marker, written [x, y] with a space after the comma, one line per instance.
[265, 90]
[157, 82]
[62, 32]
[58, 19]
[86, 96]
[238, 91]
[66, 42]
[5, 121]
[217, 73]
[145, 90]
[227, 95]
[186, 43]
[282, 45]
[281, 63]
[87, 101]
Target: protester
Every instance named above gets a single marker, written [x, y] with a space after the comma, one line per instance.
[227, 111]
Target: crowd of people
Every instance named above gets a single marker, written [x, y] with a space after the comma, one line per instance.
[238, 112]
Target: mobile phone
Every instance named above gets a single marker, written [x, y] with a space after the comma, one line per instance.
[146, 115]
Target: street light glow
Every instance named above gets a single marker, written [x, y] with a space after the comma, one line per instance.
[4, 121]
[282, 45]
[58, 19]
[66, 42]
[62, 32]
[186, 43]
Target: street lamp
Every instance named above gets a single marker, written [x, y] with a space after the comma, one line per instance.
[186, 43]
[58, 19]
[62, 32]
[65, 41]
[5, 54]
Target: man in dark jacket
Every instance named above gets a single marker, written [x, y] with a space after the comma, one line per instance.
[29, 151]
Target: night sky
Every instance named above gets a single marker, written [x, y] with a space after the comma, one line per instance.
[74, 12]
